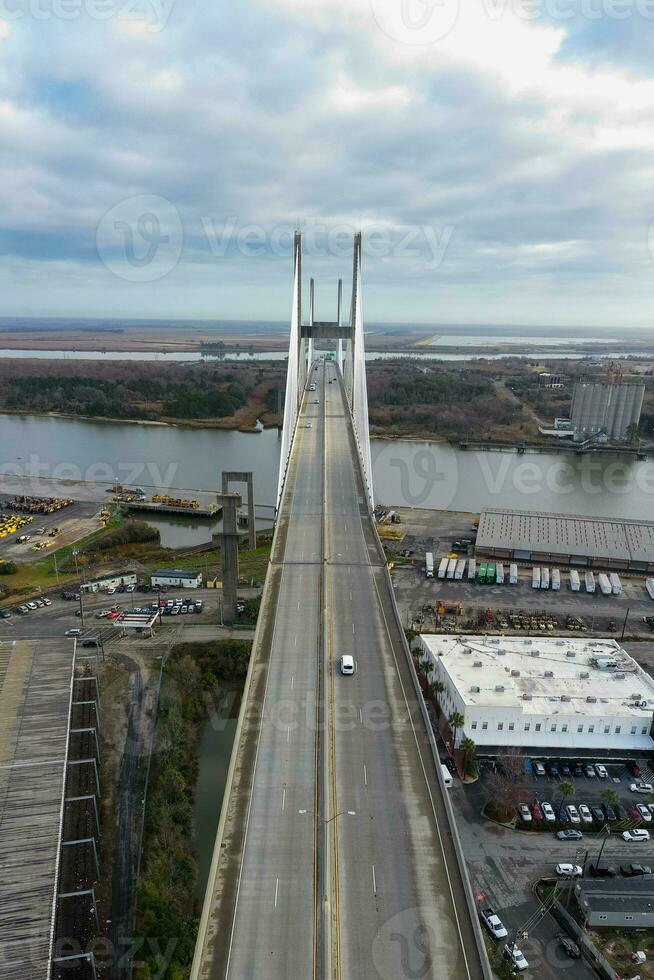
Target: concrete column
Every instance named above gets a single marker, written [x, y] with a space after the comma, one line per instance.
[230, 539]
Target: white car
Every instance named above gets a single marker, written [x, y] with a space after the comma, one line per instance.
[641, 788]
[47, 602]
[548, 811]
[517, 956]
[525, 813]
[585, 813]
[130, 588]
[76, 632]
[635, 835]
[347, 664]
[32, 605]
[601, 771]
[111, 591]
[573, 816]
[644, 812]
[569, 871]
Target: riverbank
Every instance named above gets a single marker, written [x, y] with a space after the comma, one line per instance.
[229, 424]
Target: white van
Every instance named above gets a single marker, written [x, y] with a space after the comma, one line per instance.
[447, 776]
[347, 664]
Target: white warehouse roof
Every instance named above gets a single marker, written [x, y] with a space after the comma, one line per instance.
[544, 675]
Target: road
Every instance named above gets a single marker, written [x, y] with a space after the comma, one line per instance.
[335, 858]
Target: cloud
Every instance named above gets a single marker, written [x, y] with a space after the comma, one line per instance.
[518, 159]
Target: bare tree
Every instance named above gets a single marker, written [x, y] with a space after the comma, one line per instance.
[507, 785]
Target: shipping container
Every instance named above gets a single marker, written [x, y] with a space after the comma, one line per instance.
[604, 584]
[490, 573]
[616, 584]
[451, 568]
[544, 578]
[535, 578]
[442, 568]
[460, 569]
[429, 564]
[589, 580]
[556, 580]
[472, 570]
[499, 573]
[513, 574]
[481, 574]
[575, 584]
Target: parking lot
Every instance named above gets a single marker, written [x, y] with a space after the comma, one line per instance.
[505, 863]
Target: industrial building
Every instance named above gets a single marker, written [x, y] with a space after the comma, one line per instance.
[564, 539]
[111, 581]
[616, 903]
[177, 576]
[602, 408]
[543, 692]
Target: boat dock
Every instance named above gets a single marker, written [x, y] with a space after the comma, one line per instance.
[213, 510]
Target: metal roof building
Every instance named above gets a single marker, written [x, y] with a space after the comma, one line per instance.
[566, 539]
[617, 903]
[36, 683]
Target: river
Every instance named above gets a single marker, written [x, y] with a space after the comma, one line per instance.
[405, 473]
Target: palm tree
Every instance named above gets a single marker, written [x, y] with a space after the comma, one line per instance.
[611, 797]
[469, 750]
[455, 722]
[567, 791]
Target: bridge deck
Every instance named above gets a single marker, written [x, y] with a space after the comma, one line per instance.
[344, 798]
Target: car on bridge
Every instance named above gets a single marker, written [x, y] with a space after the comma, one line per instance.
[347, 664]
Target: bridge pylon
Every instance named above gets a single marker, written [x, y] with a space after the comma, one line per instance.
[350, 360]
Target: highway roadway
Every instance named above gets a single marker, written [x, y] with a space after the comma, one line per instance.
[334, 859]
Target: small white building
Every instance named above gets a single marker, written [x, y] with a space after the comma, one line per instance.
[543, 692]
[111, 581]
[177, 576]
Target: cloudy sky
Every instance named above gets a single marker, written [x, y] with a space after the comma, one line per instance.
[499, 157]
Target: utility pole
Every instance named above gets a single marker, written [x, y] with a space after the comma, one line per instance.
[624, 625]
[606, 837]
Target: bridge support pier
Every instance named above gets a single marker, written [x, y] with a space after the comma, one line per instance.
[230, 539]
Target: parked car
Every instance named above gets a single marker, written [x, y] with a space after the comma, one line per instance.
[32, 605]
[493, 923]
[89, 643]
[539, 768]
[635, 870]
[46, 601]
[644, 812]
[553, 770]
[537, 811]
[619, 811]
[565, 769]
[548, 812]
[585, 814]
[635, 835]
[578, 769]
[516, 956]
[111, 591]
[569, 870]
[73, 632]
[5, 614]
[573, 815]
[641, 788]
[609, 812]
[601, 771]
[634, 769]
[590, 771]
[602, 871]
[568, 946]
[568, 835]
[524, 813]
[598, 814]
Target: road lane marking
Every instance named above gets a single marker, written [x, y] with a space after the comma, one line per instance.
[374, 881]
[350, 596]
[353, 627]
[360, 716]
[288, 734]
[365, 776]
[276, 890]
[284, 800]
